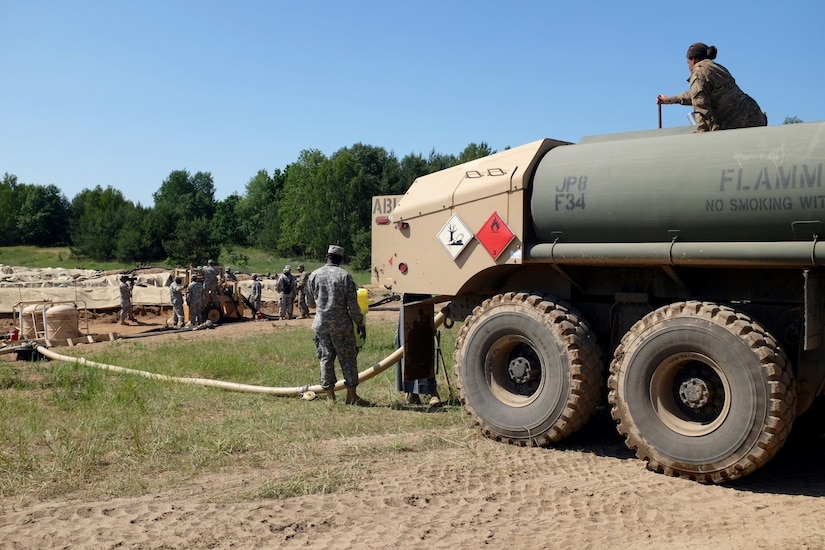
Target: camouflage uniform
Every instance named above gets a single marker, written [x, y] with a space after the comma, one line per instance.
[331, 290]
[718, 103]
[125, 301]
[300, 292]
[255, 296]
[210, 282]
[286, 294]
[176, 297]
[194, 299]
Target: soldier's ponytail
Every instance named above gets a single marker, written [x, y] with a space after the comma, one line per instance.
[699, 51]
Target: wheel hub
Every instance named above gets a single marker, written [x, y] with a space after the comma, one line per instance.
[695, 393]
[520, 370]
[690, 393]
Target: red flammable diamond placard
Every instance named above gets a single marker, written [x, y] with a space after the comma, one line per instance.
[495, 235]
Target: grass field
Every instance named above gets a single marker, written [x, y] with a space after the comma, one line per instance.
[33, 256]
[66, 428]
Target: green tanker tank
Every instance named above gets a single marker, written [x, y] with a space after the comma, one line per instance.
[678, 274]
[763, 185]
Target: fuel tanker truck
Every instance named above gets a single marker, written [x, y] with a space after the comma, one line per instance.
[680, 275]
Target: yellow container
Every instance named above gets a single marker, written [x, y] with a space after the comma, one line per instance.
[364, 304]
[363, 300]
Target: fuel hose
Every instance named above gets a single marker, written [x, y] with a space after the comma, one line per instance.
[294, 391]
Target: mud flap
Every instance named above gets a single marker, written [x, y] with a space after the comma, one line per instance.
[813, 309]
[417, 338]
[809, 372]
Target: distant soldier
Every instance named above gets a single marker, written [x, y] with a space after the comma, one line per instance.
[229, 276]
[176, 291]
[255, 296]
[126, 299]
[194, 299]
[331, 290]
[204, 299]
[210, 282]
[300, 291]
[286, 293]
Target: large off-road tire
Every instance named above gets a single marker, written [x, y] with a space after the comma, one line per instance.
[213, 313]
[702, 391]
[528, 369]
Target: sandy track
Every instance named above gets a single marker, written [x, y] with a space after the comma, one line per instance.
[589, 494]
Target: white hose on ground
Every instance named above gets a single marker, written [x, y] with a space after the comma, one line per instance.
[363, 376]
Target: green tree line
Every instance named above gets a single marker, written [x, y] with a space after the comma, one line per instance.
[295, 212]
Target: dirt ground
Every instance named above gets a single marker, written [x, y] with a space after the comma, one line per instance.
[589, 493]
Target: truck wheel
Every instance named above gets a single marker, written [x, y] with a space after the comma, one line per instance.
[213, 313]
[529, 371]
[701, 391]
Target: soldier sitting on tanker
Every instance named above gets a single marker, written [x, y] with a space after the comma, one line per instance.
[718, 103]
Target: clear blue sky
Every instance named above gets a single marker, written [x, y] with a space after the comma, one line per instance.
[121, 93]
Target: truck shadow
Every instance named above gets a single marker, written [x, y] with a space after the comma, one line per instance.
[795, 470]
[600, 437]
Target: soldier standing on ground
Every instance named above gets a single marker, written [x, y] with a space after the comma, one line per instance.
[255, 296]
[205, 301]
[126, 300]
[194, 299]
[331, 290]
[300, 291]
[718, 103]
[176, 290]
[286, 292]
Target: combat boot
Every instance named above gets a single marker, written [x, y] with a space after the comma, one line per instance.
[353, 399]
[412, 399]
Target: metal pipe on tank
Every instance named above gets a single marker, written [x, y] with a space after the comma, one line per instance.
[704, 254]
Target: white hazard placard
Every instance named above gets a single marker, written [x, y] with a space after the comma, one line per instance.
[455, 236]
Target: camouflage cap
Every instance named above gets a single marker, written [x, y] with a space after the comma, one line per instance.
[335, 250]
[288, 268]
